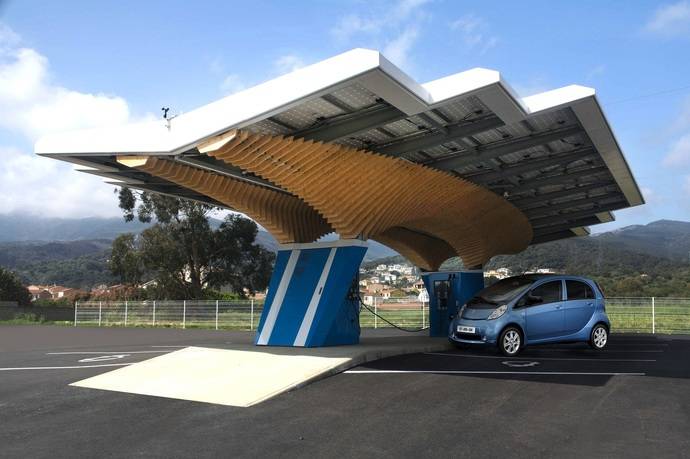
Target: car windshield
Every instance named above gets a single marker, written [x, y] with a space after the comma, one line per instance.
[501, 292]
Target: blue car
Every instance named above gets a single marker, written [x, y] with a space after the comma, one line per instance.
[533, 309]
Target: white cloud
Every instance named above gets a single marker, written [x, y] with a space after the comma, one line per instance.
[288, 63]
[670, 20]
[475, 33]
[596, 71]
[42, 186]
[31, 105]
[531, 86]
[679, 153]
[398, 50]
[232, 84]
[394, 29]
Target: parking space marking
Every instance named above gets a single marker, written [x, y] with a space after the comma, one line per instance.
[66, 368]
[102, 358]
[470, 372]
[104, 352]
[520, 363]
[471, 356]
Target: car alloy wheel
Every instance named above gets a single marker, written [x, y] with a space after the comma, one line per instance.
[599, 337]
[510, 342]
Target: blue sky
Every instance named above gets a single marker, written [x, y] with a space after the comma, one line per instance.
[77, 64]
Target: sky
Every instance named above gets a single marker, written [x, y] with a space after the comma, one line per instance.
[78, 64]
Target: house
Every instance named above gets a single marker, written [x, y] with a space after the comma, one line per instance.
[58, 291]
[151, 283]
[39, 292]
[500, 273]
[375, 288]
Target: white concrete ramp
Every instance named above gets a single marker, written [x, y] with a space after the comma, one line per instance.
[246, 375]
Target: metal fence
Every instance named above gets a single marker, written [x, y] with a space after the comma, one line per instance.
[642, 315]
[227, 314]
[649, 315]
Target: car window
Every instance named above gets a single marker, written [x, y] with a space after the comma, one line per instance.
[500, 292]
[578, 290]
[549, 292]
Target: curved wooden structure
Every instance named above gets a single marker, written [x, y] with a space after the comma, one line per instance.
[288, 218]
[368, 195]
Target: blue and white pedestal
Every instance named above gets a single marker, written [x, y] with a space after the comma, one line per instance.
[308, 302]
[448, 290]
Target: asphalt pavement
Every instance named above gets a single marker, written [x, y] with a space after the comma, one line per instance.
[633, 400]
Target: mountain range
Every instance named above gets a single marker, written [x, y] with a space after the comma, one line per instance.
[57, 250]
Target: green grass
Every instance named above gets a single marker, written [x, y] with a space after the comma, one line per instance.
[630, 316]
[33, 319]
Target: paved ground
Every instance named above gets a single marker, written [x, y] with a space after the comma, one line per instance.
[631, 400]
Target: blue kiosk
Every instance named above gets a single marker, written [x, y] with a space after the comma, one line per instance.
[313, 295]
[448, 290]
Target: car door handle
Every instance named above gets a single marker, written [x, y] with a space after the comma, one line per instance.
[559, 306]
[590, 304]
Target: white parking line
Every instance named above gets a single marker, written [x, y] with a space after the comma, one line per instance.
[105, 352]
[468, 372]
[189, 345]
[66, 368]
[470, 356]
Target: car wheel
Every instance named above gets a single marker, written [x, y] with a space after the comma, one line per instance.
[599, 337]
[510, 342]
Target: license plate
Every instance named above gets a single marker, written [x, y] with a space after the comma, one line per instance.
[462, 329]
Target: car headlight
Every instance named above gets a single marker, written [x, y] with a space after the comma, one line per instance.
[498, 312]
[461, 310]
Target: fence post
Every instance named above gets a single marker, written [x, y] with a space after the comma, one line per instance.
[251, 315]
[154, 313]
[125, 313]
[100, 309]
[423, 319]
[216, 314]
[76, 305]
[653, 317]
[376, 322]
[184, 313]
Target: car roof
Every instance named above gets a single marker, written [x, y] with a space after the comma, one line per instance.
[539, 276]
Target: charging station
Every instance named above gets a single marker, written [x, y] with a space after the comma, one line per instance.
[313, 295]
[448, 290]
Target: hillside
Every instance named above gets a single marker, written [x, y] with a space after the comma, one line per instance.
[25, 228]
[75, 252]
[14, 227]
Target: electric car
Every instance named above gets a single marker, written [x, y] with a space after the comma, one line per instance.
[533, 309]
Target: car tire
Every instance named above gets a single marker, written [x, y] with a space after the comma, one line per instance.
[599, 337]
[510, 342]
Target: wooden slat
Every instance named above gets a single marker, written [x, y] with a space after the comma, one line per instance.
[287, 217]
[364, 194]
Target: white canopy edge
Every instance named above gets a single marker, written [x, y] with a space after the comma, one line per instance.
[366, 67]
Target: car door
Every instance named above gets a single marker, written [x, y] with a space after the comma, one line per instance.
[579, 305]
[545, 319]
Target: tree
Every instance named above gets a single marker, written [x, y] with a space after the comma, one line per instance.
[183, 252]
[11, 288]
[125, 260]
